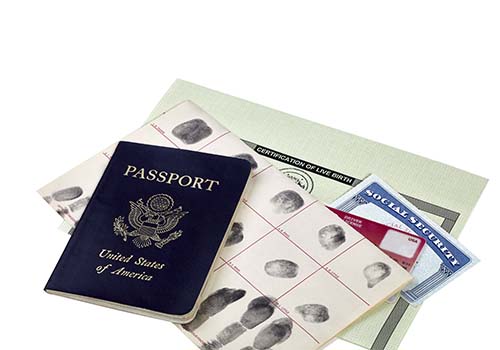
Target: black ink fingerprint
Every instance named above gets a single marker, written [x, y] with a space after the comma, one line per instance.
[212, 345]
[79, 204]
[214, 304]
[277, 332]
[62, 211]
[236, 235]
[331, 236]
[230, 333]
[376, 272]
[192, 131]
[314, 313]
[287, 202]
[282, 268]
[259, 310]
[67, 194]
[249, 158]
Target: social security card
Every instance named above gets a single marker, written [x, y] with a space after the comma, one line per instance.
[442, 259]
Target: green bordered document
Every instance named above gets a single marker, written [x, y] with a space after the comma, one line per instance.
[327, 163]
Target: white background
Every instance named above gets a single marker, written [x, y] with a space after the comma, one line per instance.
[76, 77]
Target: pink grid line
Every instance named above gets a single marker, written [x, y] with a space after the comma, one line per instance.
[260, 172]
[277, 228]
[214, 140]
[62, 209]
[162, 133]
[245, 249]
[297, 213]
[198, 338]
[244, 201]
[273, 301]
[266, 234]
[298, 284]
[324, 267]
[299, 248]
[342, 283]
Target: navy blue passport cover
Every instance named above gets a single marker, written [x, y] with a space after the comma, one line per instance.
[148, 239]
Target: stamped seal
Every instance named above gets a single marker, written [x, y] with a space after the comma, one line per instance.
[300, 177]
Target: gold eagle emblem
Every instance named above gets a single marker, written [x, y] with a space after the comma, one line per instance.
[150, 221]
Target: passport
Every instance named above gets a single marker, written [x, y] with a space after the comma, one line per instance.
[148, 239]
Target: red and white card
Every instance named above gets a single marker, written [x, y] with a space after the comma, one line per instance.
[401, 246]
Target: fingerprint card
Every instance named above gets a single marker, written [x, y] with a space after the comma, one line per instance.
[401, 246]
[292, 274]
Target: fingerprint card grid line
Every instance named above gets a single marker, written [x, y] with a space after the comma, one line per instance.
[285, 312]
[323, 268]
[162, 133]
[273, 228]
[237, 270]
[276, 228]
